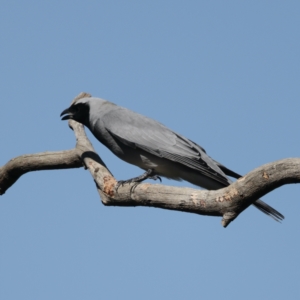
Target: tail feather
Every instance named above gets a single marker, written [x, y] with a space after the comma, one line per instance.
[268, 210]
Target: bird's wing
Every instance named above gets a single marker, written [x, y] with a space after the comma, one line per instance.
[137, 131]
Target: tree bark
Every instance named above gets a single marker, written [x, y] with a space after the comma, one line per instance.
[228, 202]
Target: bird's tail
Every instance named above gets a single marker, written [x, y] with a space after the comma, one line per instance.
[268, 210]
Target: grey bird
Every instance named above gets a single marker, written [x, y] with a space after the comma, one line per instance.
[150, 145]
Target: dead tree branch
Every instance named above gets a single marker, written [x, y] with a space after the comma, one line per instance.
[228, 202]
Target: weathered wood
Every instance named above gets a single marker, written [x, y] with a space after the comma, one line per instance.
[20, 165]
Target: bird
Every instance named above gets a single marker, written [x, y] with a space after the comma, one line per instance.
[148, 144]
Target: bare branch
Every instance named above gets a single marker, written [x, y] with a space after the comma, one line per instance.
[228, 202]
[20, 165]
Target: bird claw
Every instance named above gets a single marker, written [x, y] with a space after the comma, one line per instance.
[139, 179]
[122, 182]
[155, 177]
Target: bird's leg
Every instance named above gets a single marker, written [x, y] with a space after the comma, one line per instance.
[147, 175]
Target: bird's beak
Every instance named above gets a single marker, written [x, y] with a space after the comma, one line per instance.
[68, 114]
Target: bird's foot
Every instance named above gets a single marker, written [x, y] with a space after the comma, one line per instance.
[139, 179]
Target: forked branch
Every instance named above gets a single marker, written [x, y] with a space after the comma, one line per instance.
[228, 202]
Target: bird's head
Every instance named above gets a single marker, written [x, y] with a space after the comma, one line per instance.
[78, 111]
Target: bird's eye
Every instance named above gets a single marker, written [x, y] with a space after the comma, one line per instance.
[78, 107]
[75, 108]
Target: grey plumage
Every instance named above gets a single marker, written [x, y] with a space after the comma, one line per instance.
[148, 144]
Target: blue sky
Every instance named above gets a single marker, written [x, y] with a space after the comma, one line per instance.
[223, 73]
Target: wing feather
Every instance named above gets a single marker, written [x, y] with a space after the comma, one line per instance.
[137, 131]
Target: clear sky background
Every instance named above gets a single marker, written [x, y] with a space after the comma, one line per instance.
[223, 73]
